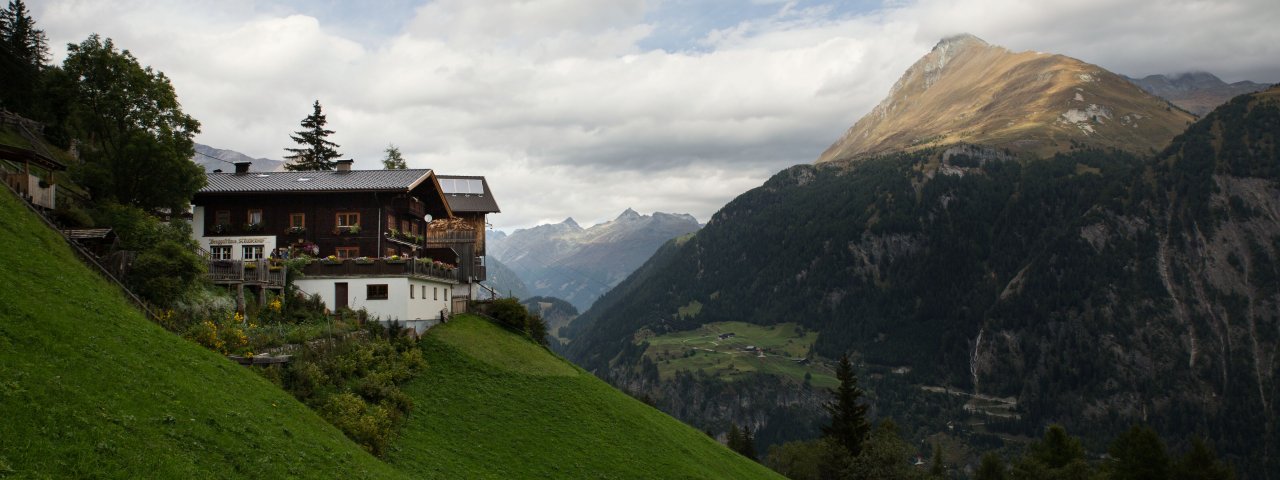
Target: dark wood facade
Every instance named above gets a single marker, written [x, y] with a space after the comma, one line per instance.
[378, 214]
[405, 215]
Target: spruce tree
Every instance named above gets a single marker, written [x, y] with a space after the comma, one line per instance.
[394, 160]
[1200, 463]
[20, 36]
[748, 443]
[23, 53]
[733, 439]
[849, 427]
[316, 151]
[991, 468]
[1138, 454]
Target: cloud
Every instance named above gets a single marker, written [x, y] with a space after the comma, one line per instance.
[570, 109]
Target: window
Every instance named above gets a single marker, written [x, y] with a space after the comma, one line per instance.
[346, 220]
[424, 292]
[220, 252]
[435, 293]
[251, 252]
[377, 292]
[405, 227]
[347, 252]
[297, 220]
[255, 216]
[410, 292]
[222, 217]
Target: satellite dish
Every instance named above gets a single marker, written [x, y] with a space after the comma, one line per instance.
[427, 218]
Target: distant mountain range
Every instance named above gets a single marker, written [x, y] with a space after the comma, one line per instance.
[1195, 92]
[966, 90]
[219, 159]
[566, 261]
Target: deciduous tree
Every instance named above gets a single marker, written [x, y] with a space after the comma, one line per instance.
[137, 141]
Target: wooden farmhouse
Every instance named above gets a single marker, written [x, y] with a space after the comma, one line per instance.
[405, 245]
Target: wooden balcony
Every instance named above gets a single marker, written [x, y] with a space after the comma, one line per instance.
[379, 267]
[442, 237]
[258, 272]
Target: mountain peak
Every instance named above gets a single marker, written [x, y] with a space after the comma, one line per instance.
[966, 90]
[570, 222]
[628, 214]
[961, 39]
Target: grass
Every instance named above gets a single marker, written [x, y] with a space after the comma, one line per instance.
[782, 346]
[494, 405]
[90, 388]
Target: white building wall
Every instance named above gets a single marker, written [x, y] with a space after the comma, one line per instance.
[397, 306]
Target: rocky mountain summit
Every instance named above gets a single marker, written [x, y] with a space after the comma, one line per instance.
[968, 91]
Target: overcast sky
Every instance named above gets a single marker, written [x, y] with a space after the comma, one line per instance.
[584, 108]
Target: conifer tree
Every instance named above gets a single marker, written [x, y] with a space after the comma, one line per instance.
[1200, 463]
[394, 160]
[849, 427]
[748, 443]
[936, 469]
[23, 53]
[991, 468]
[20, 36]
[316, 152]
[1138, 454]
[733, 439]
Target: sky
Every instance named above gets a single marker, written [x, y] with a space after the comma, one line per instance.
[584, 108]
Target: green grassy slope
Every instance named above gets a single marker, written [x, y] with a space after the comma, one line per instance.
[90, 388]
[493, 405]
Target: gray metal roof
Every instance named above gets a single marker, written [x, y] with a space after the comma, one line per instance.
[471, 201]
[316, 181]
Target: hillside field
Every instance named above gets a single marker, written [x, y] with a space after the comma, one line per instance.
[89, 388]
[782, 349]
[492, 404]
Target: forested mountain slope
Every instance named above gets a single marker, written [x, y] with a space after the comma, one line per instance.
[1093, 288]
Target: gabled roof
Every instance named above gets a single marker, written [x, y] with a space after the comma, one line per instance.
[316, 181]
[468, 193]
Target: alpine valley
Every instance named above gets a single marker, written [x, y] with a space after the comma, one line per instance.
[566, 261]
[1008, 240]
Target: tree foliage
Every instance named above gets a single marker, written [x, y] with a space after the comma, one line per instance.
[23, 53]
[1055, 456]
[511, 314]
[1200, 463]
[137, 141]
[849, 427]
[1138, 454]
[742, 441]
[315, 151]
[394, 160]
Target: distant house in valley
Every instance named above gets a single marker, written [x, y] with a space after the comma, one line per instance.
[405, 245]
[725, 336]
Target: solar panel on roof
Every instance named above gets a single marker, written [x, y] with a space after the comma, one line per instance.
[462, 186]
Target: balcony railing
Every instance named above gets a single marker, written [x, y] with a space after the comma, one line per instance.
[442, 236]
[247, 271]
[378, 267]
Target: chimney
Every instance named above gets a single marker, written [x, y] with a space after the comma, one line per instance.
[344, 165]
[243, 167]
